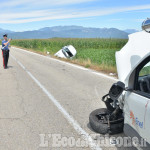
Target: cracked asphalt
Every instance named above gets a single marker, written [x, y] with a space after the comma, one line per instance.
[26, 112]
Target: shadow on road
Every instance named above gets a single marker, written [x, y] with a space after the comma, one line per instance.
[9, 67]
[98, 137]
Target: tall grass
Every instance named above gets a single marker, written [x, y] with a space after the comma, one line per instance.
[98, 53]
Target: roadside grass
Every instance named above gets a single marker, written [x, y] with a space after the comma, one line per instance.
[97, 54]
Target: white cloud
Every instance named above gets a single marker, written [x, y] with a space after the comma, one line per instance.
[51, 14]
[30, 14]
[33, 3]
[140, 20]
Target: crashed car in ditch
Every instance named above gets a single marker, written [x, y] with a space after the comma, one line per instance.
[128, 101]
[66, 52]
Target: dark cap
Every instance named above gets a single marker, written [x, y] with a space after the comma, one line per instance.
[5, 35]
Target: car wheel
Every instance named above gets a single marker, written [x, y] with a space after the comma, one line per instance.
[98, 122]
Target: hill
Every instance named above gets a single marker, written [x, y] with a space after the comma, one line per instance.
[69, 32]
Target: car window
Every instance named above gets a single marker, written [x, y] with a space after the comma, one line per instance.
[144, 79]
[145, 70]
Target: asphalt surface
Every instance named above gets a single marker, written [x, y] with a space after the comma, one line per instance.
[41, 96]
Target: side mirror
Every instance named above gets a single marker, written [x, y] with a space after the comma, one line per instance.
[146, 25]
[116, 90]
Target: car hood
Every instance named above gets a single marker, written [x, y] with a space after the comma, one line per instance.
[130, 56]
[60, 54]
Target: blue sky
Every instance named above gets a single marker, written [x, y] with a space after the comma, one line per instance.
[22, 15]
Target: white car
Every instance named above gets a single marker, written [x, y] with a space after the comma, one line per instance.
[66, 52]
[128, 101]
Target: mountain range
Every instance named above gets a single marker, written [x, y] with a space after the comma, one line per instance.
[69, 32]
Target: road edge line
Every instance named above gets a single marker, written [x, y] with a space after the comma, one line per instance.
[70, 64]
[70, 119]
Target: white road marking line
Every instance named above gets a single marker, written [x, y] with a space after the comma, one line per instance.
[70, 119]
[73, 65]
[104, 75]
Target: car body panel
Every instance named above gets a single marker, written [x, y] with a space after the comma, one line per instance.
[60, 54]
[132, 54]
[63, 52]
[136, 114]
[136, 107]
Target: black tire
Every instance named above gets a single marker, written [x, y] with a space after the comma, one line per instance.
[102, 127]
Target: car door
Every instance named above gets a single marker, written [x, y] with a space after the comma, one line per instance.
[137, 103]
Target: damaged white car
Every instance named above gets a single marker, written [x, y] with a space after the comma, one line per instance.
[66, 52]
[128, 102]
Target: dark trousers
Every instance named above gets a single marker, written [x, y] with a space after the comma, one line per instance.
[5, 54]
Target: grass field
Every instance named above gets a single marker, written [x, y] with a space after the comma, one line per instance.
[98, 54]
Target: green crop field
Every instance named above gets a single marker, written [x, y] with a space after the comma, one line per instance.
[97, 54]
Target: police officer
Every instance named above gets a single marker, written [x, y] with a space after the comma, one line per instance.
[5, 50]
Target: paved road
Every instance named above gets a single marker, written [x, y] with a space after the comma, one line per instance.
[41, 96]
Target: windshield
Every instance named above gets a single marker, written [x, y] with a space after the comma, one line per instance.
[67, 52]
